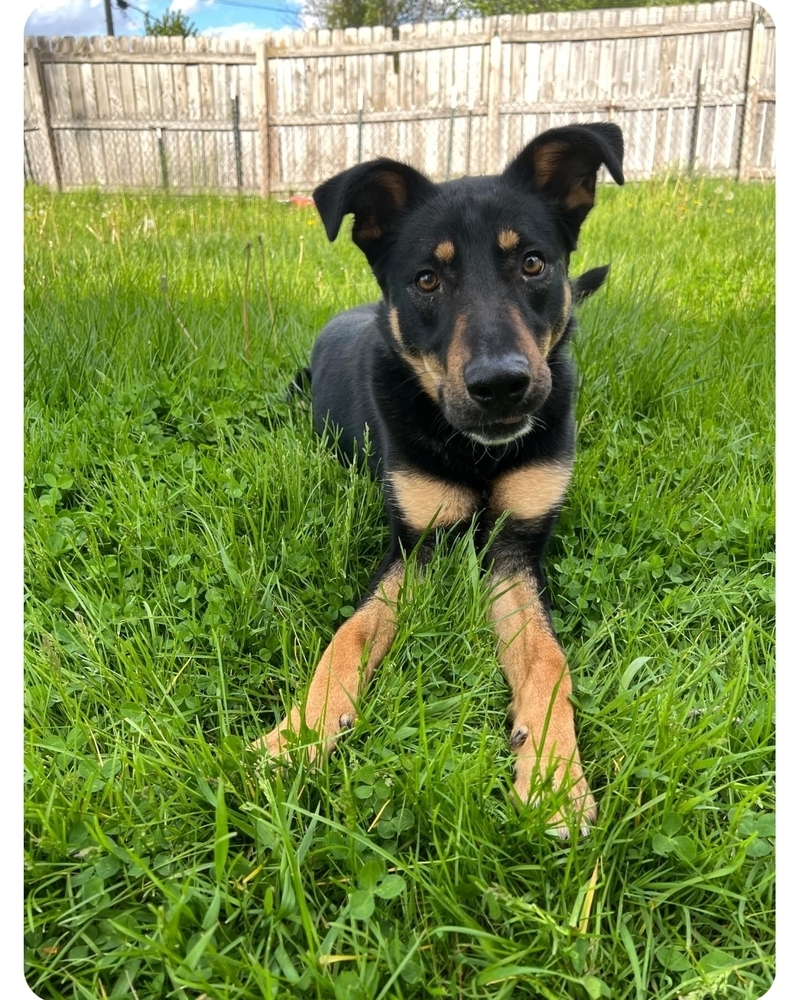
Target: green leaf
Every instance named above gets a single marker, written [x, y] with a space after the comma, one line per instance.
[56, 542]
[671, 824]
[673, 959]
[685, 848]
[362, 904]
[212, 913]
[501, 974]
[765, 825]
[631, 671]
[370, 874]
[199, 947]
[758, 848]
[221, 835]
[391, 886]
[662, 845]
[715, 960]
[595, 987]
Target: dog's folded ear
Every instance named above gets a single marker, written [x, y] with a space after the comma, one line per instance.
[562, 165]
[376, 193]
[586, 284]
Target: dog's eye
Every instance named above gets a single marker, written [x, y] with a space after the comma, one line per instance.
[532, 265]
[427, 281]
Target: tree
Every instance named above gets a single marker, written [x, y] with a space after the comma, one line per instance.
[171, 23]
[387, 13]
[392, 13]
[491, 8]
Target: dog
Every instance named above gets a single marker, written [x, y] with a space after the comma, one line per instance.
[461, 376]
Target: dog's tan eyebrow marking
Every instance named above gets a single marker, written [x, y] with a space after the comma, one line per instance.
[423, 500]
[531, 491]
[445, 252]
[507, 239]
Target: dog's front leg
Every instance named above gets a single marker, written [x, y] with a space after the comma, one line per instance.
[345, 668]
[542, 723]
[417, 505]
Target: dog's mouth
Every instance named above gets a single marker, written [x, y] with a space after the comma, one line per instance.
[501, 431]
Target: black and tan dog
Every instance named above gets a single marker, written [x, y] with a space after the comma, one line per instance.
[463, 375]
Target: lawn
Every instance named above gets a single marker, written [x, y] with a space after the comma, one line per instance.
[190, 547]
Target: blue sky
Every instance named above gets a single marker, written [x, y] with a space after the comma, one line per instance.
[210, 17]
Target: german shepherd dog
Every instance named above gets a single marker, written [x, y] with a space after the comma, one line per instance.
[463, 377]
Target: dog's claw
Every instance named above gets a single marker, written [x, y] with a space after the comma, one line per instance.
[518, 737]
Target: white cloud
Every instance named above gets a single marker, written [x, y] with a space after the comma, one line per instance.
[185, 6]
[73, 17]
[244, 29]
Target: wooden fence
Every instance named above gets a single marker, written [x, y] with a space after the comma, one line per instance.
[692, 87]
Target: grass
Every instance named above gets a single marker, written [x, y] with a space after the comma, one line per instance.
[191, 547]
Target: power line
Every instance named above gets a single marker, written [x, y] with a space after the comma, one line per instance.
[124, 5]
[256, 6]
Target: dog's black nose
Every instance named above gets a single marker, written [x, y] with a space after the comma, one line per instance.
[498, 382]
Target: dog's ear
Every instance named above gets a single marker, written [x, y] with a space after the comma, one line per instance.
[586, 284]
[377, 194]
[562, 165]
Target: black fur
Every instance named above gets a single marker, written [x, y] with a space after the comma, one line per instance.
[462, 374]
[362, 377]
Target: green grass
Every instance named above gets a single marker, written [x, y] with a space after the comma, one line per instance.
[191, 547]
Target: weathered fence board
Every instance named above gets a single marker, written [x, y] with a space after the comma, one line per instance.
[692, 87]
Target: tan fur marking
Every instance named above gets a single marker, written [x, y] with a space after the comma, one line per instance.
[579, 197]
[546, 160]
[429, 372]
[457, 354]
[445, 252]
[543, 728]
[507, 239]
[369, 231]
[529, 347]
[394, 325]
[532, 491]
[424, 500]
[561, 323]
[344, 670]
[394, 185]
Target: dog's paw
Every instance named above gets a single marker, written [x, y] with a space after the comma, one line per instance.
[531, 776]
[580, 810]
[284, 738]
[275, 743]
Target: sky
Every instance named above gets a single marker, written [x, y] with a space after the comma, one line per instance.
[211, 17]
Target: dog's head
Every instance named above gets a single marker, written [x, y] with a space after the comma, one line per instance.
[475, 271]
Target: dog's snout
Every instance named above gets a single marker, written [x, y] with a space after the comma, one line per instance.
[498, 382]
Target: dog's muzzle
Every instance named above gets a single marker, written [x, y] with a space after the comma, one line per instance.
[499, 390]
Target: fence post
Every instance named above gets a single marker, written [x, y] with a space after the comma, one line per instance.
[754, 61]
[262, 105]
[698, 114]
[453, 93]
[162, 157]
[493, 117]
[237, 137]
[39, 99]
[360, 103]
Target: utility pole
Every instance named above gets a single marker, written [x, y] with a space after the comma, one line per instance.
[109, 19]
